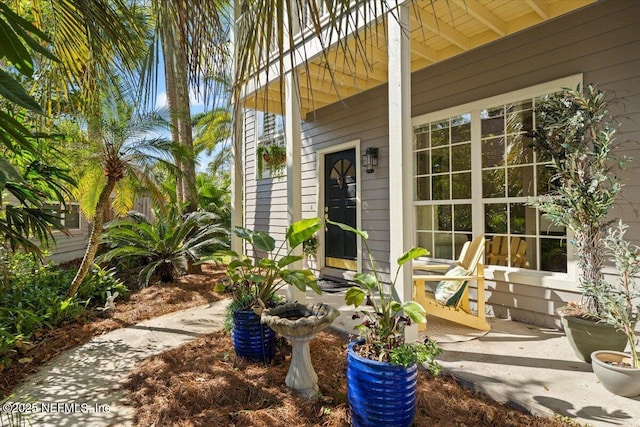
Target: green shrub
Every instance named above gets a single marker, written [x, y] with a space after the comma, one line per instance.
[165, 245]
[95, 286]
[33, 296]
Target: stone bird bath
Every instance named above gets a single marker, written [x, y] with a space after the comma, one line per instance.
[299, 323]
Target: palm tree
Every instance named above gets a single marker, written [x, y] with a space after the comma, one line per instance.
[192, 36]
[121, 162]
[263, 30]
[166, 244]
[26, 172]
[212, 128]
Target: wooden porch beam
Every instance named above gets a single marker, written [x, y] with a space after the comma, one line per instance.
[444, 30]
[483, 15]
[540, 7]
[293, 140]
[400, 153]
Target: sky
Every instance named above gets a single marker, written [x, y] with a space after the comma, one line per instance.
[197, 106]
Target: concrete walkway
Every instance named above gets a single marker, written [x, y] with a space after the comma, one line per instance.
[530, 367]
[82, 387]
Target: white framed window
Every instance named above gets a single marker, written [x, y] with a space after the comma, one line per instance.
[67, 216]
[474, 169]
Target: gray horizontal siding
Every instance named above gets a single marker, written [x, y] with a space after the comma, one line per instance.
[265, 199]
[601, 41]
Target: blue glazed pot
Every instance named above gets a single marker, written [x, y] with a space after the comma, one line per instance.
[251, 339]
[380, 394]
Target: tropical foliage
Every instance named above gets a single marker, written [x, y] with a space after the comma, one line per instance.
[27, 172]
[33, 297]
[382, 327]
[255, 281]
[164, 245]
[122, 159]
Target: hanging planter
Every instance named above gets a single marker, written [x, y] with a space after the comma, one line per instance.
[272, 157]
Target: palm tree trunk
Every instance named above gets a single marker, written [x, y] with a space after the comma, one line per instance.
[94, 238]
[170, 87]
[180, 112]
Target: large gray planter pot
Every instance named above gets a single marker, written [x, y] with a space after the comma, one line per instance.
[618, 380]
[586, 336]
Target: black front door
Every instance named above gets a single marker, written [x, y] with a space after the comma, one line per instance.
[340, 206]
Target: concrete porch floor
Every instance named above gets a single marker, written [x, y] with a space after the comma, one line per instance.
[529, 367]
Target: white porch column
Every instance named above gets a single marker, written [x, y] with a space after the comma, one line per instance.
[237, 162]
[400, 137]
[293, 132]
[237, 178]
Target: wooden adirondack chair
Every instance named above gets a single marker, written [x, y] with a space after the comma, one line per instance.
[497, 251]
[458, 312]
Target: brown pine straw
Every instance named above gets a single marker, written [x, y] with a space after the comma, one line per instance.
[204, 384]
[158, 299]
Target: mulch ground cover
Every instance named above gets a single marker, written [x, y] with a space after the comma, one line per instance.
[158, 299]
[203, 383]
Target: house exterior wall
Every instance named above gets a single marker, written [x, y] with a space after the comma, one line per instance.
[601, 41]
[67, 248]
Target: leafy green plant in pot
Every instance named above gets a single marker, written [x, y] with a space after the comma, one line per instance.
[381, 365]
[574, 130]
[256, 280]
[617, 372]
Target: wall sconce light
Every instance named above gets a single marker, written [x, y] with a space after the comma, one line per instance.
[370, 159]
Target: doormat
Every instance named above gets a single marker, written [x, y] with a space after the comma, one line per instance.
[332, 286]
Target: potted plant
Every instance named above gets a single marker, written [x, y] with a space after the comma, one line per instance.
[381, 366]
[620, 372]
[255, 281]
[574, 130]
[273, 156]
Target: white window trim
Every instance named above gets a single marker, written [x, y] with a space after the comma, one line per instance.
[63, 222]
[564, 281]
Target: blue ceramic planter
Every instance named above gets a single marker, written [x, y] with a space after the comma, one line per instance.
[380, 394]
[251, 339]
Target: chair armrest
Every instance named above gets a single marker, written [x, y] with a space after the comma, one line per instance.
[431, 267]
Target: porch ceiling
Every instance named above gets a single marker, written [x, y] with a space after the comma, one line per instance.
[439, 30]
